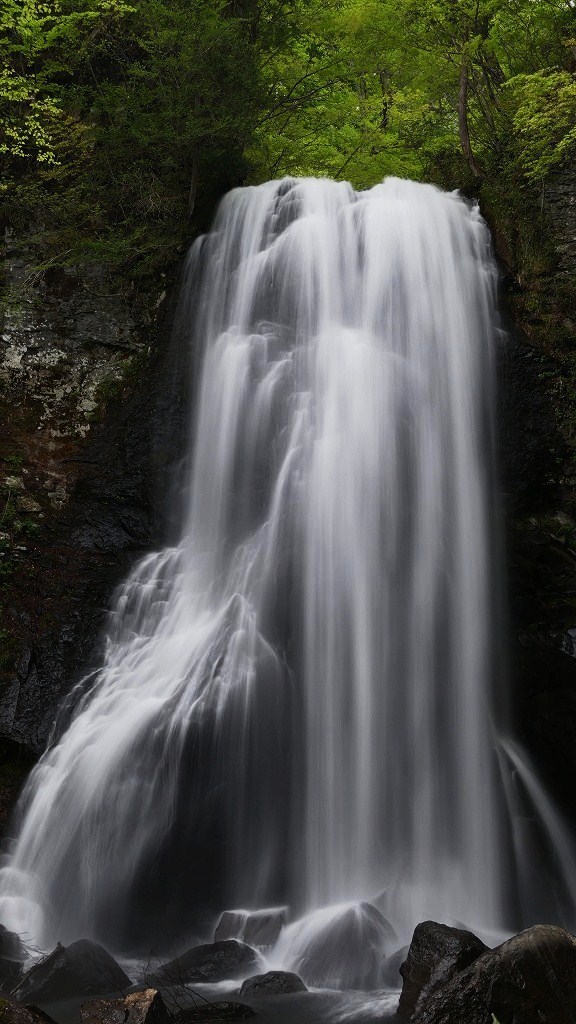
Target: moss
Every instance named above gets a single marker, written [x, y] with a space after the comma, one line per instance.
[112, 387]
[123, 378]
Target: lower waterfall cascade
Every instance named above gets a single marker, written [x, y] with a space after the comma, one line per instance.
[299, 703]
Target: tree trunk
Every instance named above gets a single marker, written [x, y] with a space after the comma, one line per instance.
[463, 121]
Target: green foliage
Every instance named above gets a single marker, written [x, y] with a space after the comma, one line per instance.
[121, 123]
[544, 119]
[366, 88]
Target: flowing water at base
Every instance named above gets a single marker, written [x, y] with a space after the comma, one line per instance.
[296, 704]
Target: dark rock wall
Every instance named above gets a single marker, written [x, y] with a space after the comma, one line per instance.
[538, 472]
[92, 405]
[559, 201]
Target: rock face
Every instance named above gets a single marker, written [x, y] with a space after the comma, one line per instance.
[211, 962]
[137, 1008]
[559, 201]
[437, 954]
[91, 417]
[272, 983]
[536, 448]
[12, 957]
[530, 979]
[82, 969]
[538, 481]
[255, 927]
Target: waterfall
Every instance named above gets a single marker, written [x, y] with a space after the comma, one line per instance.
[295, 702]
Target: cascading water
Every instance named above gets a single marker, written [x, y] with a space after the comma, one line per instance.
[294, 702]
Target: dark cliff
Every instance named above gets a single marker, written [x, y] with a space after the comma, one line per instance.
[93, 415]
[538, 466]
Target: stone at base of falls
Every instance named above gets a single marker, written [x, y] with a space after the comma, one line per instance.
[436, 954]
[272, 983]
[214, 961]
[145, 1007]
[529, 979]
[391, 976]
[81, 969]
[12, 957]
[255, 927]
[340, 947]
[12, 1012]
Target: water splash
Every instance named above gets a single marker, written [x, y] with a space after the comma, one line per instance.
[294, 701]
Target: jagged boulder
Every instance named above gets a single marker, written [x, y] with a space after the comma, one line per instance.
[255, 927]
[82, 969]
[211, 962]
[272, 983]
[12, 957]
[437, 953]
[145, 1007]
[530, 979]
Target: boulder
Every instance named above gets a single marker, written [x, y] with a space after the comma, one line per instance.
[12, 957]
[272, 983]
[211, 962]
[530, 979]
[437, 953]
[145, 1007]
[82, 969]
[255, 927]
[340, 947]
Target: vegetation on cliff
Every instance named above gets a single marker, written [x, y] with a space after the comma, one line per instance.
[121, 121]
[118, 120]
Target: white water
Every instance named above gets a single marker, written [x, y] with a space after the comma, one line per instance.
[294, 705]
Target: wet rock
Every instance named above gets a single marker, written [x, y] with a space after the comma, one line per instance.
[255, 927]
[530, 979]
[272, 983]
[437, 953]
[340, 947]
[12, 957]
[145, 1007]
[82, 969]
[215, 1012]
[391, 976]
[211, 962]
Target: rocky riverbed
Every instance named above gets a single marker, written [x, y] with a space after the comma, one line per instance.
[448, 976]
